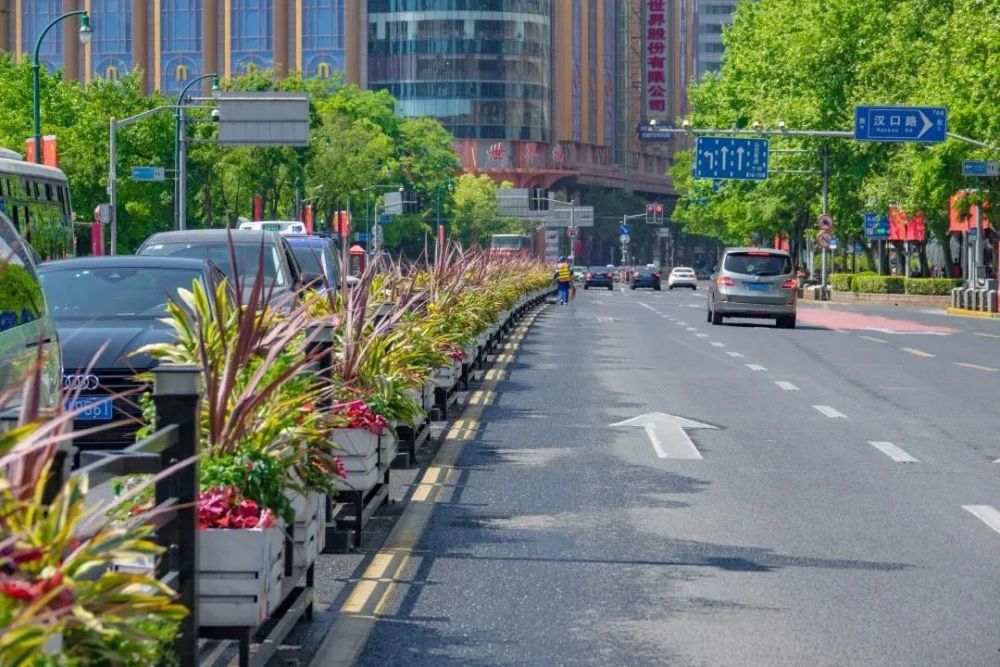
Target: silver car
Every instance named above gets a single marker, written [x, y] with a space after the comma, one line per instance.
[754, 282]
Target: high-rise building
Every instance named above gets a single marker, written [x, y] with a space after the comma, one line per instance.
[711, 16]
[535, 91]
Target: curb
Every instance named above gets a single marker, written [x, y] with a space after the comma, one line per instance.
[964, 312]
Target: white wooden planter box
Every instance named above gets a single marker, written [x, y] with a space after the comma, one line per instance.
[481, 340]
[470, 353]
[240, 573]
[444, 377]
[360, 457]
[308, 539]
[429, 394]
[390, 447]
[419, 396]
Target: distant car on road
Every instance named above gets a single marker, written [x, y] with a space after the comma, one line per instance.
[599, 276]
[281, 270]
[579, 272]
[704, 273]
[106, 308]
[317, 258]
[754, 282]
[682, 276]
[646, 277]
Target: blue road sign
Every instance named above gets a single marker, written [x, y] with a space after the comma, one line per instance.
[876, 226]
[716, 185]
[980, 168]
[731, 158]
[361, 237]
[385, 217]
[623, 229]
[924, 124]
[148, 173]
[649, 132]
[833, 244]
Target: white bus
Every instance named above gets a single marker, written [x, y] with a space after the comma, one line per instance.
[36, 199]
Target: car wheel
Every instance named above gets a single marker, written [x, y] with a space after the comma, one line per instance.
[611, 288]
[787, 322]
[586, 286]
[716, 318]
[633, 286]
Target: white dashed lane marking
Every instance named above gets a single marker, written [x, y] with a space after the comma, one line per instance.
[716, 343]
[985, 513]
[895, 453]
[755, 367]
[827, 411]
[735, 355]
[787, 386]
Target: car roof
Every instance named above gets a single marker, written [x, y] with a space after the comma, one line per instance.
[128, 261]
[202, 235]
[772, 251]
[308, 240]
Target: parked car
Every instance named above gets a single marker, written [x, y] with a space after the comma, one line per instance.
[579, 272]
[682, 276]
[754, 282]
[106, 308]
[25, 324]
[599, 276]
[281, 269]
[317, 258]
[646, 277]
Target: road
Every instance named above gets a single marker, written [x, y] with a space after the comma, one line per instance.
[842, 510]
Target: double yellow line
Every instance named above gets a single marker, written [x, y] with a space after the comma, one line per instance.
[366, 602]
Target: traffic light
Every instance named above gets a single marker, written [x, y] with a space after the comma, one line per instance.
[411, 201]
[538, 199]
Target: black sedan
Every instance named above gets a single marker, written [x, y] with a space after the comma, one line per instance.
[598, 276]
[646, 278]
[106, 308]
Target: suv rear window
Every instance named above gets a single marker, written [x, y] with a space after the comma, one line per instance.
[758, 263]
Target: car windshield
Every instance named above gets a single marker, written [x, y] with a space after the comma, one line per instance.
[247, 258]
[310, 259]
[111, 292]
[682, 271]
[758, 263]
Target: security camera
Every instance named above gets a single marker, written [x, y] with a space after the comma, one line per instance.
[686, 124]
[756, 125]
[781, 125]
[216, 115]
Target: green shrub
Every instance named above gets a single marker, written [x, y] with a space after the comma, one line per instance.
[936, 286]
[873, 284]
[840, 281]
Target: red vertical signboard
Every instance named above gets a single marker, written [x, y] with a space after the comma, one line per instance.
[654, 83]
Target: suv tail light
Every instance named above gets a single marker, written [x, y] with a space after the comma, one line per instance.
[588, 276]
[725, 281]
[791, 283]
[656, 275]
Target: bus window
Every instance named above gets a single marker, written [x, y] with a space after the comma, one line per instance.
[48, 192]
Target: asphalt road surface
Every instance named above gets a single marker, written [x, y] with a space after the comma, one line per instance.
[832, 501]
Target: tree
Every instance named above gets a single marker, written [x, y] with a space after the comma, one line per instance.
[475, 214]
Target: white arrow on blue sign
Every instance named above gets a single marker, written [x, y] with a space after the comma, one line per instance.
[923, 124]
[980, 168]
[876, 226]
[731, 158]
[148, 173]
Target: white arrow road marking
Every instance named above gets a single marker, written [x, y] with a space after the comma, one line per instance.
[985, 513]
[667, 434]
[734, 355]
[647, 306]
[897, 454]
[830, 412]
[874, 339]
[787, 386]
[755, 367]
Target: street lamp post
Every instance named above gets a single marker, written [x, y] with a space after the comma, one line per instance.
[180, 151]
[368, 208]
[85, 36]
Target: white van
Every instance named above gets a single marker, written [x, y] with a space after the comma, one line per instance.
[280, 226]
[25, 324]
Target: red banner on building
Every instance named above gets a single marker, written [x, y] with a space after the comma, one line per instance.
[904, 227]
[960, 223]
[655, 56]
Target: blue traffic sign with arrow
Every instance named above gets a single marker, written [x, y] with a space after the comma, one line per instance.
[876, 226]
[731, 158]
[923, 124]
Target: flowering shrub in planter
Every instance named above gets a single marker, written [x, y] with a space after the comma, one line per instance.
[223, 508]
[357, 415]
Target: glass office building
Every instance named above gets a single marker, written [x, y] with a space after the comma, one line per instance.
[481, 67]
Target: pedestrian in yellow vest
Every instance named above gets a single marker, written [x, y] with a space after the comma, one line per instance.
[564, 279]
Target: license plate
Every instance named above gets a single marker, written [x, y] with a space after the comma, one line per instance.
[95, 408]
[758, 287]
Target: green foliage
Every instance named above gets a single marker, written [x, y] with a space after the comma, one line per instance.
[872, 284]
[258, 477]
[840, 281]
[809, 63]
[476, 212]
[935, 286]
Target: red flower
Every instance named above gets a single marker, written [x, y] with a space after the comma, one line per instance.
[339, 468]
[223, 508]
[359, 415]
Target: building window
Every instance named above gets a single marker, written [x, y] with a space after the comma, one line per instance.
[111, 73]
[253, 27]
[112, 45]
[323, 36]
[37, 15]
[180, 42]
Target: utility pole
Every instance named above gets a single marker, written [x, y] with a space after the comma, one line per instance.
[112, 189]
[824, 152]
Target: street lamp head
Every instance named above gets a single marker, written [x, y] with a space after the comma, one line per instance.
[86, 33]
[215, 83]
[781, 125]
[756, 125]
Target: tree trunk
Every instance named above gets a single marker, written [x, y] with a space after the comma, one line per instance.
[922, 254]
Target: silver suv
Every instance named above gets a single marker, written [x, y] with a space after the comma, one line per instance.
[754, 282]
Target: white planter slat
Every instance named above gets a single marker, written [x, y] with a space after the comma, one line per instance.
[240, 573]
